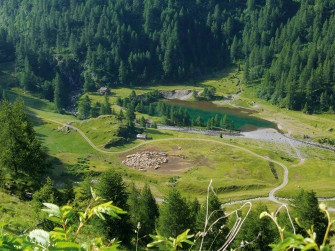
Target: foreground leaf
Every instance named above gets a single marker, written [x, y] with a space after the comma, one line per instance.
[40, 237]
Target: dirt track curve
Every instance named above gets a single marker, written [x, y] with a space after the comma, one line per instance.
[271, 193]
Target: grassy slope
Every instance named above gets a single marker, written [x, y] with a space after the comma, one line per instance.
[296, 123]
[16, 213]
[244, 170]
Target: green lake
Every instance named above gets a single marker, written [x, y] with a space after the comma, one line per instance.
[242, 117]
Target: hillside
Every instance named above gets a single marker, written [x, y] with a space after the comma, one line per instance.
[171, 110]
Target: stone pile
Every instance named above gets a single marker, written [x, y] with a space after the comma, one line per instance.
[145, 160]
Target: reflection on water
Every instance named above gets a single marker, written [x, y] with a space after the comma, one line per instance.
[207, 110]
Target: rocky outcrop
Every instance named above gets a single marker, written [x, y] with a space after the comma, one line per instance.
[145, 160]
[176, 94]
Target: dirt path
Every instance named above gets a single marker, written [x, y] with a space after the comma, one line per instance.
[272, 192]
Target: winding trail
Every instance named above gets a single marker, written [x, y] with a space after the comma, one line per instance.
[271, 196]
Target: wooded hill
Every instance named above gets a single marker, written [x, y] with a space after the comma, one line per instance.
[112, 43]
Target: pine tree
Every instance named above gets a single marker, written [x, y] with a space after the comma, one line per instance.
[232, 125]
[123, 73]
[121, 116]
[69, 194]
[233, 49]
[108, 109]
[138, 107]
[111, 187]
[59, 93]
[324, 102]
[47, 194]
[174, 215]
[151, 110]
[89, 84]
[143, 122]
[21, 154]
[85, 108]
[225, 122]
[195, 95]
[130, 115]
[217, 121]
[132, 95]
[144, 211]
[260, 233]
[306, 209]
[95, 110]
[215, 237]
[199, 121]
[4, 94]
[246, 75]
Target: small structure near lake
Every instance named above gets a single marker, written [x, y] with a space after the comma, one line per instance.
[142, 136]
[103, 90]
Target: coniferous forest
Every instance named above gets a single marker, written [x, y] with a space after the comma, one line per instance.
[62, 49]
[63, 45]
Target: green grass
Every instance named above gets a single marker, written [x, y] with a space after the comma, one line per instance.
[235, 172]
[243, 172]
[16, 213]
[224, 81]
[317, 173]
[56, 141]
[296, 123]
[38, 106]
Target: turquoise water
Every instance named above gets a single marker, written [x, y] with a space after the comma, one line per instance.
[242, 117]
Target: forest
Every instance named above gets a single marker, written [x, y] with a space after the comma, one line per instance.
[285, 50]
[286, 47]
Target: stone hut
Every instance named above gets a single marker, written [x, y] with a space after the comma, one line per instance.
[103, 90]
[142, 136]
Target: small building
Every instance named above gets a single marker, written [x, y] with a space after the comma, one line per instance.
[142, 136]
[103, 90]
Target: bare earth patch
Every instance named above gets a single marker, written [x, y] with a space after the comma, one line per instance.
[148, 158]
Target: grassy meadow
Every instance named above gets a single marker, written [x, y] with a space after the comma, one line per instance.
[236, 174]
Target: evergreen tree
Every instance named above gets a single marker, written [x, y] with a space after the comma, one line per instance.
[144, 210]
[107, 105]
[199, 121]
[123, 73]
[89, 84]
[151, 110]
[246, 72]
[130, 115]
[121, 116]
[111, 187]
[260, 233]
[139, 107]
[225, 122]
[21, 154]
[47, 194]
[143, 122]
[59, 98]
[69, 194]
[4, 94]
[95, 110]
[85, 108]
[215, 237]
[174, 217]
[217, 121]
[232, 125]
[195, 95]
[233, 49]
[306, 209]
